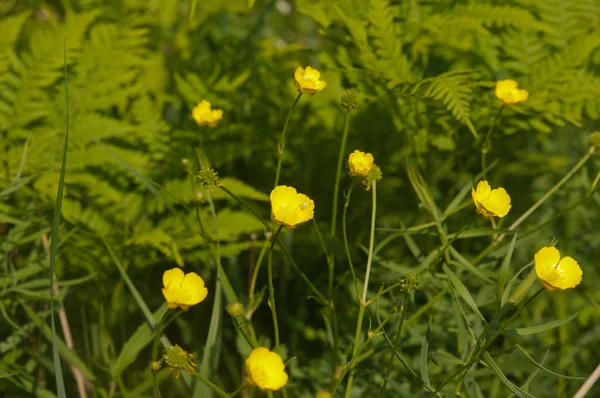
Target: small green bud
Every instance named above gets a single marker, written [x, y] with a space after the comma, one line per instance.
[375, 174]
[349, 100]
[156, 365]
[178, 359]
[235, 309]
[595, 139]
[409, 282]
[208, 177]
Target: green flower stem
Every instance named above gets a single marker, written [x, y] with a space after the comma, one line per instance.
[257, 268]
[553, 189]
[317, 294]
[487, 141]
[392, 355]
[338, 176]
[157, 333]
[249, 339]
[381, 292]
[363, 301]
[281, 145]
[537, 204]
[371, 242]
[329, 262]
[212, 386]
[346, 245]
[272, 290]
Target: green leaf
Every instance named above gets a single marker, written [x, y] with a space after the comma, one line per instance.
[477, 232]
[466, 264]
[493, 366]
[142, 336]
[462, 291]
[504, 268]
[540, 328]
[424, 350]
[540, 365]
[506, 294]
[442, 357]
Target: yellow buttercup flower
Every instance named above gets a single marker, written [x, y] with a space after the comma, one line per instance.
[307, 80]
[554, 272]
[360, 163]
[266, 369]
[323, 394]
[204, 115]
[290, 207]
[508, 93]
[183, 290]
[490, 202]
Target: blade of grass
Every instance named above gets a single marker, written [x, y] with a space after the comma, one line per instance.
[60, 383]
[462, 291]
[540, 328]
[504, 268]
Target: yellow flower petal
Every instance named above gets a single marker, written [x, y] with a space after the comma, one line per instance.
[204, 115]
[555, 273]
[360, 163]
[507, 92]
[290, 207]
[307, 80]
[490, 202]
[266, 369]
[183, 290]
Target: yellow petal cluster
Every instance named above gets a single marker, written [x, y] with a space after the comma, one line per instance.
[508, 93]
[204, 115]
[183, 290]
[290, 207]
[554, 272]
[360, 163]
[266, 369]
[490, 202]
[307, 80]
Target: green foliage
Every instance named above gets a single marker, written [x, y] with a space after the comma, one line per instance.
[132, 207]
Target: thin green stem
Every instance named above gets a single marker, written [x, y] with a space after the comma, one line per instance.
[157, 334]
[318, 295]
[281, 145]
[272, 291]
[346, 245]
[363, 300]
[338, 176]
[427, 306]
[257, 268]
[212, 386]
[392, 355]
[537, 204]
[553, 189]
[487, 141]
[250, 340]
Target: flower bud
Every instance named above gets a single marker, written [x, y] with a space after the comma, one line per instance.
[208, 177]
[409, 282]
[235, 309]
[349, 100]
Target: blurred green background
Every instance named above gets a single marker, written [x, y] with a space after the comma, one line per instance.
[425, 72]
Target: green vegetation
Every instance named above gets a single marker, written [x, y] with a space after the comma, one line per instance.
[139, 197]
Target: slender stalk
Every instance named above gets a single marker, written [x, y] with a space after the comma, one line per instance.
[363, 300]
[251, 341]
[346, 245]
[487, 142]
[272, 290]
[281, 145]
[338, 176]
[588, 384]
[318, 295]
[392, 355]
[371, 243]
[257, 268]
[537, 204]
[212, 386]
[553, 189]
[157, 334]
